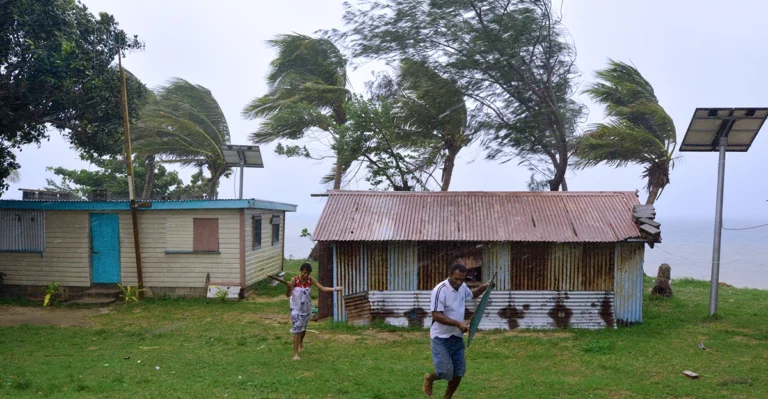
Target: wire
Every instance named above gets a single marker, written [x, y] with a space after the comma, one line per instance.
[746, 228]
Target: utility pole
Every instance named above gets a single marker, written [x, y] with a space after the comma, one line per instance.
[129, 161]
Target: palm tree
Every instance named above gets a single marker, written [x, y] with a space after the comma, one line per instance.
[433, 107]
[184, 125]
[638, 130]
[307, 85]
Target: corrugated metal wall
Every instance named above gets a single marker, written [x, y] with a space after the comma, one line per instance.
[376, 260]
[408, 266]
[628, 288]
[496, 260]
[357, 308]
[505, 310]
[402, 270]
[434, 263]
[22, 230]
[352, 275]
[562, 267]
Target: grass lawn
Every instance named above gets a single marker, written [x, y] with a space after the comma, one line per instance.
[168, 348]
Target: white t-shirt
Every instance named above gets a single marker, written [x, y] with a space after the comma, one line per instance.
[451, 302]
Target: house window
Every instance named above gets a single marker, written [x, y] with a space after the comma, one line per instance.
[205, 235]
[22, 231]
[275, 229]
[256, 232]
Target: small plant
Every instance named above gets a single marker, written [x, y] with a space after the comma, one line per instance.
[50, 292]
[221, 294]
[130, 293]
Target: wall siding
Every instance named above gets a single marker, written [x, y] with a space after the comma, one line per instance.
[173, 230]
[268, 259]
[628, 288]
[521, 267]
[66, 259]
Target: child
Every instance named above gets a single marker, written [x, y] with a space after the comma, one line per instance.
[301, 304]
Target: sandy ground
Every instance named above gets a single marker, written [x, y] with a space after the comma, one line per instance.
[16, 315]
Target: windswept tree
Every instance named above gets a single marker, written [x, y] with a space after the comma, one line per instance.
[510, 57]
[111, 174]
[433, 113]
[638, 130]
[57, 71]
[376, 138]
[185, 125]
[307, 85]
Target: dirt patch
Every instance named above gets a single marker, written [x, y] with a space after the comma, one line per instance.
[16, 315]
[518, 333]
[746, 340]
[268, 299]
[392, 336]
[340, 338]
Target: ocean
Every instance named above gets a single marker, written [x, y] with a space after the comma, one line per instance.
[686, 246]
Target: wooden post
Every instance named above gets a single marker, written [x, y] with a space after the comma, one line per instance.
[129, 161]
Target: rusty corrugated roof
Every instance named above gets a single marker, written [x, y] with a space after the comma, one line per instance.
[478, 216]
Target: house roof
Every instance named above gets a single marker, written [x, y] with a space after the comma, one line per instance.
[478, 216]
[146, 205]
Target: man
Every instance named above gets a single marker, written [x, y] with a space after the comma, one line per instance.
[448, 326]
[301, 304]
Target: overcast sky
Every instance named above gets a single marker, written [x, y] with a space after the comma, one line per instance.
[696, 53]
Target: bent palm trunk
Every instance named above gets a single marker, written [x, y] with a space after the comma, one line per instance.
[150, 179]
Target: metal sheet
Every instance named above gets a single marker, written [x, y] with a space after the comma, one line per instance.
[358, 308]
[628, 287]
[561, 266]
[22, 230]
[478, 216]
[496, 260]
[506, 309]
[402, 268]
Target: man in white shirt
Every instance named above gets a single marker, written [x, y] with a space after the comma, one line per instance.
[448, 326]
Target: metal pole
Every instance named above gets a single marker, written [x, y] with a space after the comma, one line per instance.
[129, 162]
[242, 169]
[718, 229]
[336, 314]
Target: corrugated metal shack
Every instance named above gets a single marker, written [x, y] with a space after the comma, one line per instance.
[563, 259]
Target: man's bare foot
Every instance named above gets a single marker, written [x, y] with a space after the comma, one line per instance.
[427, 385]
[296, 357]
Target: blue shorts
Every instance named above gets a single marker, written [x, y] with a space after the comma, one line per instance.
[448, 356]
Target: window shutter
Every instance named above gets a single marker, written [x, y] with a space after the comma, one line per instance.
[205, 235]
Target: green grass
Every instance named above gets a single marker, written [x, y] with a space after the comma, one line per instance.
[243, 350]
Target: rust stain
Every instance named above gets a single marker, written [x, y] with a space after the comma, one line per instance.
[416, 317]
[560, 313]
[382, 315]
[511, 314]
[606, 312]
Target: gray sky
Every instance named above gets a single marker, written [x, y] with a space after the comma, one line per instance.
[695, 53]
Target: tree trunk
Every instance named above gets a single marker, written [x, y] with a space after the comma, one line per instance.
[213, 188]
[337, 176]
[559, 178]
[564, 186]
[652, 195]
[661, 287]
[450, 162]
[150, 178]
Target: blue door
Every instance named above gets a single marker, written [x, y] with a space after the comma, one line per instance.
[105, 247]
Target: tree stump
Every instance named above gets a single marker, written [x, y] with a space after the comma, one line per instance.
[662, 287]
